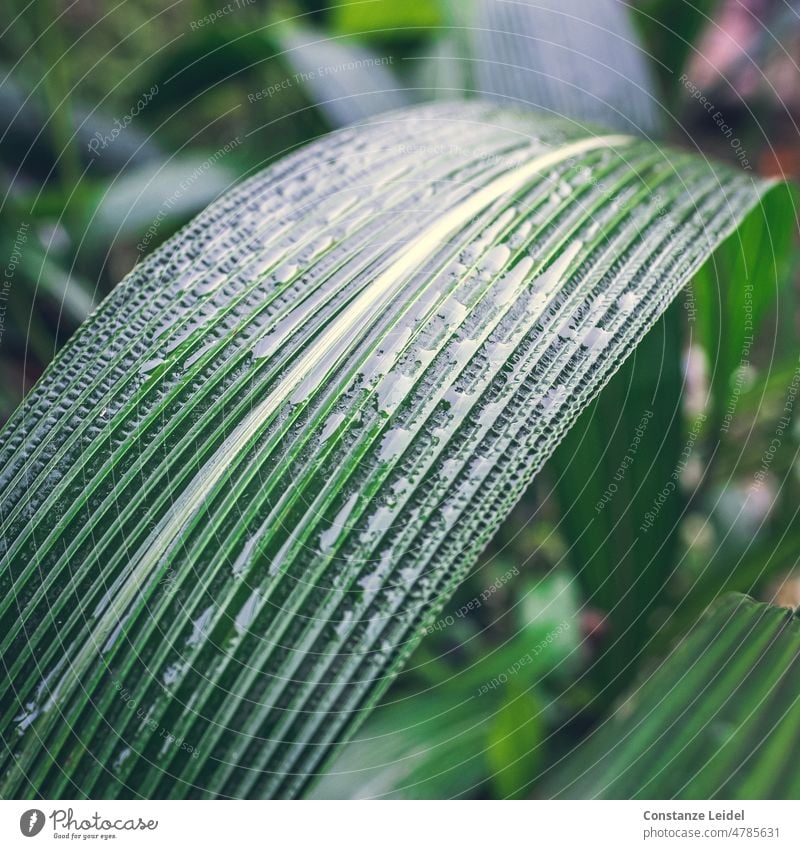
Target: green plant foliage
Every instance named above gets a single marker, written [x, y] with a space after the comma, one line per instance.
[610, 471]
[148, 204]
[478, 722]
[345, 81]
[26, 144]
[734, 296]
[516, 744]
[669, 29]
[246, 486]
[718, 720]
[387, 20]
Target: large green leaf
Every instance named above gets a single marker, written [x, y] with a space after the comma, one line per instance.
[719, 719]
[243, 489]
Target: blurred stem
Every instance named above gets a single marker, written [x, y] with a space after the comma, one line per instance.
[39, 341]
[9, 400]
[787, 310]
[43, 271]
[55, 80]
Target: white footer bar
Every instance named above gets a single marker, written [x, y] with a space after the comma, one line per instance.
[400, 825]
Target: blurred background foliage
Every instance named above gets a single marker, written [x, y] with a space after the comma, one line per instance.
[120, 122]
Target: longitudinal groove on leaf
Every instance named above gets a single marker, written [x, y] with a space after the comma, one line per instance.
[261, 467]
[711, 722]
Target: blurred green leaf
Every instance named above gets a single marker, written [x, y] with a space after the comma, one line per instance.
[617, 479]
[481, 721]
[346, 82]
[573, 58]
[670, 29]
[442, 73]
[147, 205]
[773, 552]
[387, 20]
[41, 274]
[719, 719]
[421, 746]
[226, 81]
[516, 741]
[744, 282]
[27, 146]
